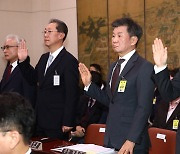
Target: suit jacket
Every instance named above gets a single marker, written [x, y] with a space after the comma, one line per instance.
[129, 110]
[55, 104]
[88, 115]
[17, 83]
[161, 115]
[169, 90]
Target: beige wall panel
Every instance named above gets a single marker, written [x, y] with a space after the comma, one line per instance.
[93, 32]
[163, 21]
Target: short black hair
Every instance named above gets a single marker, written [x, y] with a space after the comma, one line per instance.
[16, 113]
[97, 78]
[96, 66]
[133, 28]
[173, 72]
[61, 27]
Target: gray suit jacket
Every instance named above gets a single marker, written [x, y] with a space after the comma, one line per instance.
[129, 110]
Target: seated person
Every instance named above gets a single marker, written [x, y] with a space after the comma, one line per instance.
[97, 68]
[17, 120]
[89, 111]
[167, 116]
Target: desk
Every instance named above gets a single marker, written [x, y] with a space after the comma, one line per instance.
[49, 144]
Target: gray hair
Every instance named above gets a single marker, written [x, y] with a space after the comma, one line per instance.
[14, 37]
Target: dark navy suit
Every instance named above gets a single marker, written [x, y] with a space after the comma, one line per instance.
[55, 105]
[17, 83]
[128, 110]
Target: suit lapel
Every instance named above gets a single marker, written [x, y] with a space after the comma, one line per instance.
[108, 87]
[4, 81]
[130, 64]
[53, 65]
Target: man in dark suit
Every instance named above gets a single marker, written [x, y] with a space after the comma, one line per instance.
[13, 79]
[130, 101]
[169, 89]
[57, 82]
[17, 119]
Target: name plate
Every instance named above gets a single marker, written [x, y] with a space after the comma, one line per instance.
[36, 145]
[72, 151]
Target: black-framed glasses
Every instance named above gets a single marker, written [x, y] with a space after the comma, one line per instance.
[48, 31]
[8, 46]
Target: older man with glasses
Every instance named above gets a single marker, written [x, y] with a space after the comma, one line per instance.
[13, 79]
[57, 79]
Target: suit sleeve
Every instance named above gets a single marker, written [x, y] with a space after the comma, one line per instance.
[28, 72]
[168, 89]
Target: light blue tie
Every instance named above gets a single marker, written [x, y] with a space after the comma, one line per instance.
[49, 60]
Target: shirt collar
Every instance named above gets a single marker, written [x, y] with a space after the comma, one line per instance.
[128, 55]
[14, 64]
[29, 151]
[55, 53]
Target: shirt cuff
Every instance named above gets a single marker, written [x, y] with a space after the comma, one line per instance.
[86, 88]
[159, 69]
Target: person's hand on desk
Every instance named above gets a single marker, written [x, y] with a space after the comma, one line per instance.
[66, 129]
[127, 148]
[79, 132]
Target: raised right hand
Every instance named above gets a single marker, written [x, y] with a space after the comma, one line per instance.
[85, 74]
[22, 51]
[159, 53]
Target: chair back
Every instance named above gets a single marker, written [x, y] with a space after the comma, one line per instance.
[162, 141]
[95, 134]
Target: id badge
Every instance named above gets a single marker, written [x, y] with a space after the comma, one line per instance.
[175, 124]
[154, 100]
[122, 85]
[56, 80]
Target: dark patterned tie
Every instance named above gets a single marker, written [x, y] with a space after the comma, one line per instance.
[116, 74]
[9, 68]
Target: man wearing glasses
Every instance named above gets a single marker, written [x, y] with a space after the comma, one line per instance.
[57, 78]
[13, 79]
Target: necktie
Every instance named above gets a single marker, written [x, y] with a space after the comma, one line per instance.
[49, 60]
[116, 74]
[90, 103]
[9, 68]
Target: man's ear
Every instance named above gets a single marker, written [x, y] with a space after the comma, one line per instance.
[14, 138]
[61, 36]
[134, 40]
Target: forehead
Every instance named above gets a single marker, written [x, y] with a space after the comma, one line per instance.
[51, 26]
[10, 42]
[120, 29]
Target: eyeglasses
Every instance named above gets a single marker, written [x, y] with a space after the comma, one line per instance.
[8, 46]
[48, 31]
